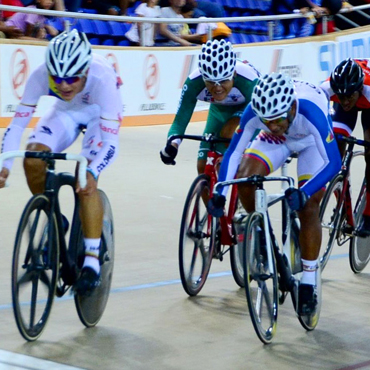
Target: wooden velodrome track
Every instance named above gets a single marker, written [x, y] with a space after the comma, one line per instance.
[149, 322]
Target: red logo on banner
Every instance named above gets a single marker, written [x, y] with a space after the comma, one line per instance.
[112, 59]
[19, 70]
[151, 76]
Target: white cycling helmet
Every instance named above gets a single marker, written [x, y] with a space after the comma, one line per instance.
[68, 54]
[273, 96]
[217, 60]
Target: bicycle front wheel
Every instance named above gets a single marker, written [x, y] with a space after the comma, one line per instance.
[261, 279]
[90, 308]
[35, 267]
[359, 248]
[236, 250]
[197, 238]
[331, 211]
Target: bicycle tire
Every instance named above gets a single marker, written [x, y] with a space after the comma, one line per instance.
[359, 248]
[90, 308]
[236, 256]
[35, 267]
[197, 238]
[261, 284]
[330, 218]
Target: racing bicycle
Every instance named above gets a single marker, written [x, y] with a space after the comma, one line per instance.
[339, 219]
[44, 263]
[272, 272]
[203, 237]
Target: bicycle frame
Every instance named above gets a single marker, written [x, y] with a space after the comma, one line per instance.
[262, 203]
[345, 196]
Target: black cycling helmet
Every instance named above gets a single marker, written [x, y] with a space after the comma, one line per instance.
[347, 78]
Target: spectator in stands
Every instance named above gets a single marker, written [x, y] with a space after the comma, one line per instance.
[7, 14]
[172, 31]
[143, 33]
[319, 8]
[33, 25]
[8, 31]
[304, 26]
[72, 5]
[207, 9]
[110, 7]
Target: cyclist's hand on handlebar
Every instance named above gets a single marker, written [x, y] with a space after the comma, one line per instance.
[168, 154]
[91, 185]
[4, 174]
[216, 204]
[296, 198]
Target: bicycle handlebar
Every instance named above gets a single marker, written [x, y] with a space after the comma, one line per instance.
[353, 140]
[208, 138]
[47, 155]
[255, 179]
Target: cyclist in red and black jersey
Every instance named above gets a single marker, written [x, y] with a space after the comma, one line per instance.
[349, 88]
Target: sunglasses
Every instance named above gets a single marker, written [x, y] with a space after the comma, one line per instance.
[219, 83]
[275, 121]
[68, 80]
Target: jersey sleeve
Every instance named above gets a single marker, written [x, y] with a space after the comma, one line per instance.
[240, 140]
[110, 120]
[321, 129]
[188, 100]
[36, 86]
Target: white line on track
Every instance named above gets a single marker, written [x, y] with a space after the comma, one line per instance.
[15, 361]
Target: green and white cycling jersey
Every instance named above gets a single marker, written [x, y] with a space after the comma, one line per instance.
[220, 112]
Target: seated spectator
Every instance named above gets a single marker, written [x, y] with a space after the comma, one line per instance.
[207, 9]
[110, 7]
[33, 26]
[72, 5]
[7, 14]
[172, 31]
[319, 8]
[10, 32]
[143, 33]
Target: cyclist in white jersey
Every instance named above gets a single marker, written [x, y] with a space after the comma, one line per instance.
[293, 117]
[87, 95]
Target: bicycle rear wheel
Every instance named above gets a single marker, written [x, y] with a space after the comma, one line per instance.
[331, 218]
[261, 279]
[359, 248]
[197, 238]
[35, 267]
[90, 308]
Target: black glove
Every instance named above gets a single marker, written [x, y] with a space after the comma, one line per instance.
[296, 198]
[168, 154]
[215, 205]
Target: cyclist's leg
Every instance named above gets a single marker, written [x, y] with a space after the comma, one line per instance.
[309, 163]
[91, 215]
[265, 154]
[54, 132]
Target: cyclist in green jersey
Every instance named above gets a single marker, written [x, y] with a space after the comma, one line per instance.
[222, 81]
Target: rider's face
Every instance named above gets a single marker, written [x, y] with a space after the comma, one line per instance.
[219, 90]
[348, 102]
[69, 90]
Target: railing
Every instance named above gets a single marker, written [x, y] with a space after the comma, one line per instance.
[269, 18]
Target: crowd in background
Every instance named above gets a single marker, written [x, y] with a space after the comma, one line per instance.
[33, 26]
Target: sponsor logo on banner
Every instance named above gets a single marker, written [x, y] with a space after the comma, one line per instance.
[112, 59]
[151, 76]
[19, 70]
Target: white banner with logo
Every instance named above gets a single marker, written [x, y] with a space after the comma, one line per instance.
[152, 78]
